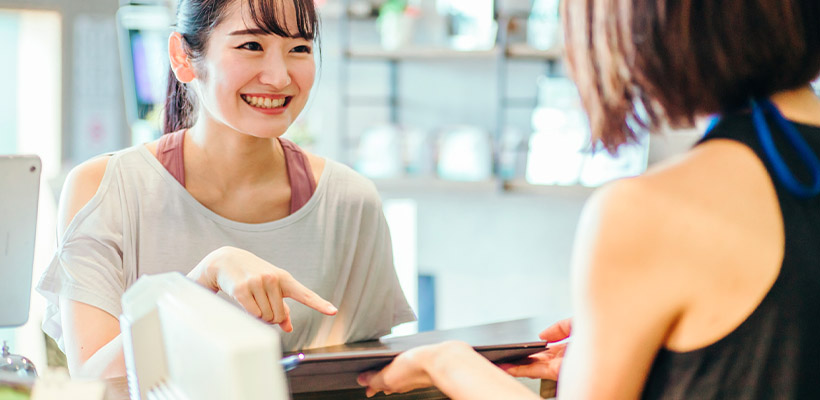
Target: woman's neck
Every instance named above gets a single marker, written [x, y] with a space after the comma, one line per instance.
[799, 105]
[231, 158]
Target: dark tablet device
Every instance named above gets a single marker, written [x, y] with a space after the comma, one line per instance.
[360, 361]
[336, 368]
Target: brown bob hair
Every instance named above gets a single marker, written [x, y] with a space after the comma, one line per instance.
[641, 64]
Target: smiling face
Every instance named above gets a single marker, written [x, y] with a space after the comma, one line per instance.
[253, 81]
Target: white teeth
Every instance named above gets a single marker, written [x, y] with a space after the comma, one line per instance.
[263, 102]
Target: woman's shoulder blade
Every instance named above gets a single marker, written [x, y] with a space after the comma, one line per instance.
[688, 202]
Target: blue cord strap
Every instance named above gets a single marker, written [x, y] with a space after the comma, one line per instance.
[781, 170]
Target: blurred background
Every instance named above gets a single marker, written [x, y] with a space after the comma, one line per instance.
[459, 110]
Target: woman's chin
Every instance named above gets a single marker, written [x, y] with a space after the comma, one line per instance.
[262, 131]
[264, 134]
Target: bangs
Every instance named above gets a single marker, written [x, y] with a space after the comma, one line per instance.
[270, 16]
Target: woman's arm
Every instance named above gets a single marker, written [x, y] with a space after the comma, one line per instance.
[630, 285]
[453, 367]
[92, 342]
[87, 329]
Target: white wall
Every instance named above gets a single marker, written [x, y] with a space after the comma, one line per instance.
[71, 11]
[32, 126]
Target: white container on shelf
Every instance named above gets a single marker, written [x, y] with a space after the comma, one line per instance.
[380, 152]
[544, 25]
[556, 151]
[465, 153]
[395, 30]
[472, 24]
[560, 135]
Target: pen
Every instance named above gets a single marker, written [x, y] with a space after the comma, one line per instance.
[290, 362]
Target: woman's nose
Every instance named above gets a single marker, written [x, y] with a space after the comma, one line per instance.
[275, 72]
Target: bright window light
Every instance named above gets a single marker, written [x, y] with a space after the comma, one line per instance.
[30, 123]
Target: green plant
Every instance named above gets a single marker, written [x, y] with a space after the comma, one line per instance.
[392, 7]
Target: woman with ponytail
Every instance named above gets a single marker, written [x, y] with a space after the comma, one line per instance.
[298, 241]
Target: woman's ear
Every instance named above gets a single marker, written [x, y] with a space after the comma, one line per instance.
[180, 63]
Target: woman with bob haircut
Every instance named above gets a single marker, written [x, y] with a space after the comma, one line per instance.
[222, 198]
[701, 278]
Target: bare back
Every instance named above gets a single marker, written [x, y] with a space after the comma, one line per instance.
[674, 260]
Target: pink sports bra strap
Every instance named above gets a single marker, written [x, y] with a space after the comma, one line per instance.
[302, 182]
[169, 154]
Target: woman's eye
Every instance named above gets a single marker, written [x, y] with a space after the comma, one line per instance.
[252, 46]
[302, 49]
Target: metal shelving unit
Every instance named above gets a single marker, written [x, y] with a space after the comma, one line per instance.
[501, 54]
[434, 186]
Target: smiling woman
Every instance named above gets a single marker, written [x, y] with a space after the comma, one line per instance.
[222, 198]
[264, 54]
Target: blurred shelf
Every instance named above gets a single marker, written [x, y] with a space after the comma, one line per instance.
[424, 186]
[513, 51]
[417, 53]
[419, 185]
[520, 186]
[525, 51]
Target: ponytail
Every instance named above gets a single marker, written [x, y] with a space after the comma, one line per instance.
[179, 107]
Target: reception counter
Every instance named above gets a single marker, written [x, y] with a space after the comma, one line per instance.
[340, 384]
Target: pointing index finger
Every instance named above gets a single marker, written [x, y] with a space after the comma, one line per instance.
[296, 291]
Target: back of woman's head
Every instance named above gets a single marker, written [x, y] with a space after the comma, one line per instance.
[640, 64]
[196, 20]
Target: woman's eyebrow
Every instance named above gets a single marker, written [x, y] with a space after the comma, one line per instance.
[257, 31]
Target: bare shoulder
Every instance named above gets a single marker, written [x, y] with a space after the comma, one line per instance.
[80, 186]
[675, 219]
[152, 147]
[717, 167]
[686, 219]
[317, 165]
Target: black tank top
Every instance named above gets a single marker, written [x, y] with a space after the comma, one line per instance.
[775, 352]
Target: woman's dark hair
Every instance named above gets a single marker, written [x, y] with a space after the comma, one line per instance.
[640, 64]
[196, 19]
